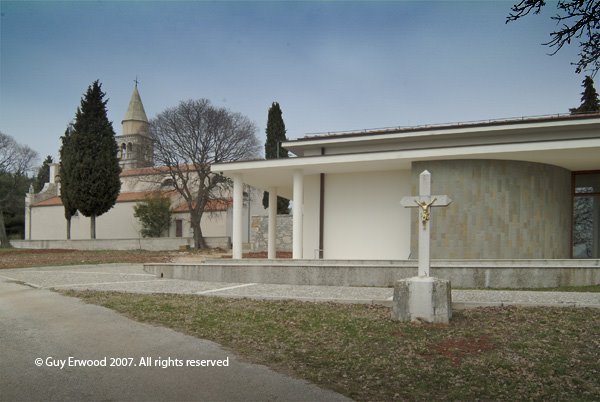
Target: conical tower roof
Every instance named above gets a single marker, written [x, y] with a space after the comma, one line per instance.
[135, 111]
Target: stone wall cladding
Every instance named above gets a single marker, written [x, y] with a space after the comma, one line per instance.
[501, 209]
[259, 233]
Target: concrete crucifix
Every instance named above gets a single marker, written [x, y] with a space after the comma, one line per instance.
[425, 201]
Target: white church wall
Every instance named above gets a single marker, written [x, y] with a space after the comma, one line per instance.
[131, 184]
[118, 223]
[255, 209]
[213, 224]
[363, 216]
[48, 223]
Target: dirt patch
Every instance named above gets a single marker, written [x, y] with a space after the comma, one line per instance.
[22, 258]
[459, 348]
[20, 251]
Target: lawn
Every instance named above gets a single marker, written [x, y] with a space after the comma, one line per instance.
[484, 354]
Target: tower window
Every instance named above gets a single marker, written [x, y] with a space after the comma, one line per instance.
[168, 183]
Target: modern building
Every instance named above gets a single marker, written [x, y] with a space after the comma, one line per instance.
[526, 188]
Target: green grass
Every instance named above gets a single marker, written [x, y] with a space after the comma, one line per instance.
[484, 354]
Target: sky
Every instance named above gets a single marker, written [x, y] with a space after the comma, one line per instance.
[332, 66]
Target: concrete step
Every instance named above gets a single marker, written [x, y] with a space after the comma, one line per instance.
[571, 263]
[463, 274]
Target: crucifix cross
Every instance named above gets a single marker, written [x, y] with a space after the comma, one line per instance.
[136, 81]
[425, 201]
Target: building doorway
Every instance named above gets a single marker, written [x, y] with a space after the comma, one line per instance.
[178, 228]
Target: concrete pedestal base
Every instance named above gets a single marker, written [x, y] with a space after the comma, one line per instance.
[422, 298]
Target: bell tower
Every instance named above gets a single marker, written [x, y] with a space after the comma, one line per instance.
[135, 144]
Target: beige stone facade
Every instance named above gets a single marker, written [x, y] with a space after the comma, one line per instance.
[501, 209]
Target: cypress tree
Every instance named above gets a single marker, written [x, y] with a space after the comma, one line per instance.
[94, 173]
[589, 98]
[273, 150]
[43, 174]
[66, 186]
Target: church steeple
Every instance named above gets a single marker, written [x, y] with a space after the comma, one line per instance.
[135, 111]
[135, 144]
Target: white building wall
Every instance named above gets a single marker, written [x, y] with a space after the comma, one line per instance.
[312, 185]
[252, 208]
[213, 224]
[364, 218]
[143, 183]
[119, 223]
[49, 223]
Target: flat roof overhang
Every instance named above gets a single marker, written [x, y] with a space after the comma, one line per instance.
[435, 136]
[574, 155]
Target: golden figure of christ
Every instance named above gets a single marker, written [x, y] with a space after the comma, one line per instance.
[425, 209]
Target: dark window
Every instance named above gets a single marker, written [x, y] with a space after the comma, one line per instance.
[586, 215]
[168, 183]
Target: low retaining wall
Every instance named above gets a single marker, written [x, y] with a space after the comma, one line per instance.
[462, 274]
[151, 244]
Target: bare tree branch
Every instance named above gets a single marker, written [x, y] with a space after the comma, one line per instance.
[188, 139]
[578, 19]
[15, 161]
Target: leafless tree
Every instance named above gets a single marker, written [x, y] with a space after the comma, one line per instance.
[578, 19]
[15, 161]
[188, 139]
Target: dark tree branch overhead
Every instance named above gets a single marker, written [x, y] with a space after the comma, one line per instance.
[578, 19]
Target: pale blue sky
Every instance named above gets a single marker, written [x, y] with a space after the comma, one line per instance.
[332, 66]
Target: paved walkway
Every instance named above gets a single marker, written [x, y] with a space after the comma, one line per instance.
[56, 348]
[132, 278]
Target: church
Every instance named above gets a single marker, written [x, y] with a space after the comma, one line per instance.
[44, 212]
[525, 188]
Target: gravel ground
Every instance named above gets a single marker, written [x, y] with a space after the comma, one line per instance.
[132, 278]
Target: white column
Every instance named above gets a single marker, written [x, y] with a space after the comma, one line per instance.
[272, 247]
[238, 224]
[297, 214]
